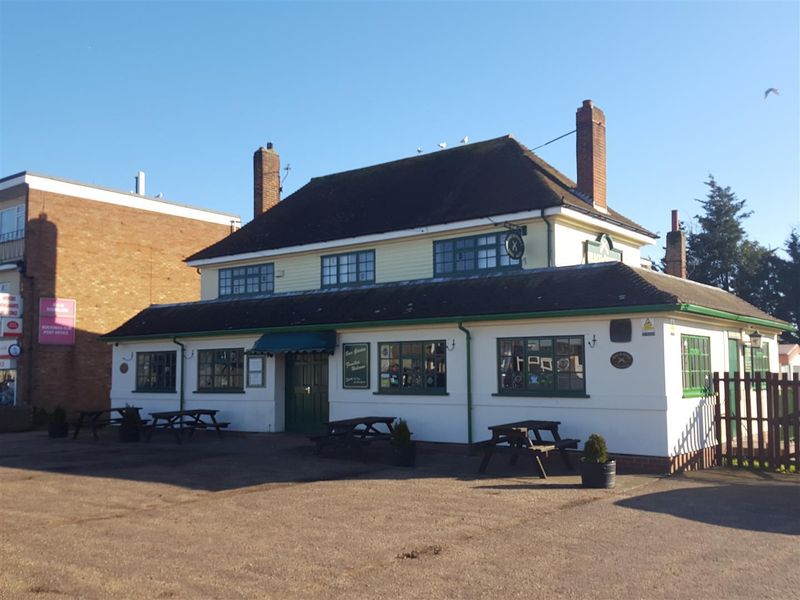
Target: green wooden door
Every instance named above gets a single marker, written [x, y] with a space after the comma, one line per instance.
[306, 392]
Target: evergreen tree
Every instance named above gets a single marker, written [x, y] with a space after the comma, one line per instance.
[789, 275]
[758, 277]
[714, 253]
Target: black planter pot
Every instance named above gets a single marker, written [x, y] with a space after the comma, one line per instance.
[128, 434]
[406, 455]
[598, 475]
[58, 430]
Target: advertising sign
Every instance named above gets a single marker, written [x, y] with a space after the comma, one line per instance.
[356, 366]
[10, 326]
[57, 321]
[10, 305]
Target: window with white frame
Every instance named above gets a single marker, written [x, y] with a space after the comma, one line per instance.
[12, 223]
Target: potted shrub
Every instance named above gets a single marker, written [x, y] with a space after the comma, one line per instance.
[57, 423]
[404, 450]
[597, 470]
[130, 426]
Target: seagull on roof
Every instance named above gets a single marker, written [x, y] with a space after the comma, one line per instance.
[771, 91]
[442, 145]
[419, 150]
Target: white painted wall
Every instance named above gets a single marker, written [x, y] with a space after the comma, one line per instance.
[569, 245]
[253, 410]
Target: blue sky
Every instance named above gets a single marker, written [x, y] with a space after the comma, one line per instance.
[186, 91]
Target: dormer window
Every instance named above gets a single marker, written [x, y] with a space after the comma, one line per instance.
[252, 279]
[350, 268]
[472, 254]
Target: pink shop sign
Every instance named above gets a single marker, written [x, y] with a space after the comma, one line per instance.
[57, 321]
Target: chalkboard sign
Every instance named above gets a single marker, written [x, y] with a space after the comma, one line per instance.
[356, 366]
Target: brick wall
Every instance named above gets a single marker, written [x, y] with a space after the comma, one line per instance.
[114, 261]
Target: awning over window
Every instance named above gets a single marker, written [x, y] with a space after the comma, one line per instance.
[307, 341]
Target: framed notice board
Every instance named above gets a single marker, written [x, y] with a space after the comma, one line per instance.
[356, 366]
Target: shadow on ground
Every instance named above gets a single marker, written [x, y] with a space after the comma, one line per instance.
[765, 507]
[242, 460]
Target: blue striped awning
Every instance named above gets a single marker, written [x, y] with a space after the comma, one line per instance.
[306, 341]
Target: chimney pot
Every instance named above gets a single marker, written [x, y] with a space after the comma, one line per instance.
[590, 150]
[675, 222]
[266, 179]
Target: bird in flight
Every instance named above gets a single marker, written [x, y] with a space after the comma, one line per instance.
[771, 91]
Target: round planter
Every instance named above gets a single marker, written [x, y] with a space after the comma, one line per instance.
[598, 475]
[58, 430]
[406, 455]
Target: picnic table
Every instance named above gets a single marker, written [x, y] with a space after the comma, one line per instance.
[526, 437]
[356, 432]
[100, 418]
[189, 420]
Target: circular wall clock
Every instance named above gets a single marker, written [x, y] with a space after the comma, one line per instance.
[515, 246]
[622, 360]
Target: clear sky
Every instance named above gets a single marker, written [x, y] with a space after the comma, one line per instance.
[186, 91]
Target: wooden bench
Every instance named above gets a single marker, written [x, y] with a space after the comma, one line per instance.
[526, 437]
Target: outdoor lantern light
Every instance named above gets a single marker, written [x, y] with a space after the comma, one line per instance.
[755, 338]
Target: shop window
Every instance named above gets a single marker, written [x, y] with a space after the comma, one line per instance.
[541, 366]
[220, 370]
[472, 254]
[350, 268]
[413, 367]
[252, 279]
[155, 371]
[696, 365]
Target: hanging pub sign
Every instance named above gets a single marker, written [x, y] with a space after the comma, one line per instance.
[356, 366]
[57, 321]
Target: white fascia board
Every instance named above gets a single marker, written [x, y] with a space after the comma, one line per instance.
[370, 239]
[86, 192]
[618, 230]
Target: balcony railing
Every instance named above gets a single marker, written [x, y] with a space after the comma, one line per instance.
[11, 248]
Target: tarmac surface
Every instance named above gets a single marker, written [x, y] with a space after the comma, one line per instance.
[259, 516]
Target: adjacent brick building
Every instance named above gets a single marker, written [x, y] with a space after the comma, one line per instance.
[113, 253]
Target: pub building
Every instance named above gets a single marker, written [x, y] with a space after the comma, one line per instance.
[457, 290]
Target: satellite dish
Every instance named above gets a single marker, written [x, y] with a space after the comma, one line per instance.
[465, 139]
[442, 145]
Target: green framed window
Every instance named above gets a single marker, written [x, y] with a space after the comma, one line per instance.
[349, 268]
[155, 371]
[472, 254]
[695, 365]
[220, 370]
[541, 366]
[412, 367]
[252, 279]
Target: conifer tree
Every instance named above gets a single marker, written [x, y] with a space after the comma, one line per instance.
[714, 253]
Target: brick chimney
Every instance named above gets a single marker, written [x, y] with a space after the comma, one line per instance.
[590, 147]
[266, 179]
[675, 257]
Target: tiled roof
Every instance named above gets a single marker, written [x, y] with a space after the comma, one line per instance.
[581, 288]
[498, 176]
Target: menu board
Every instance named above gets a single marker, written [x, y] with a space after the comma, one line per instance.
[356, 366]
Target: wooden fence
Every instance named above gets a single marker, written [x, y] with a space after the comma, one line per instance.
[758, 420]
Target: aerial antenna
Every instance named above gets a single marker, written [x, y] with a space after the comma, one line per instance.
[287, 168]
